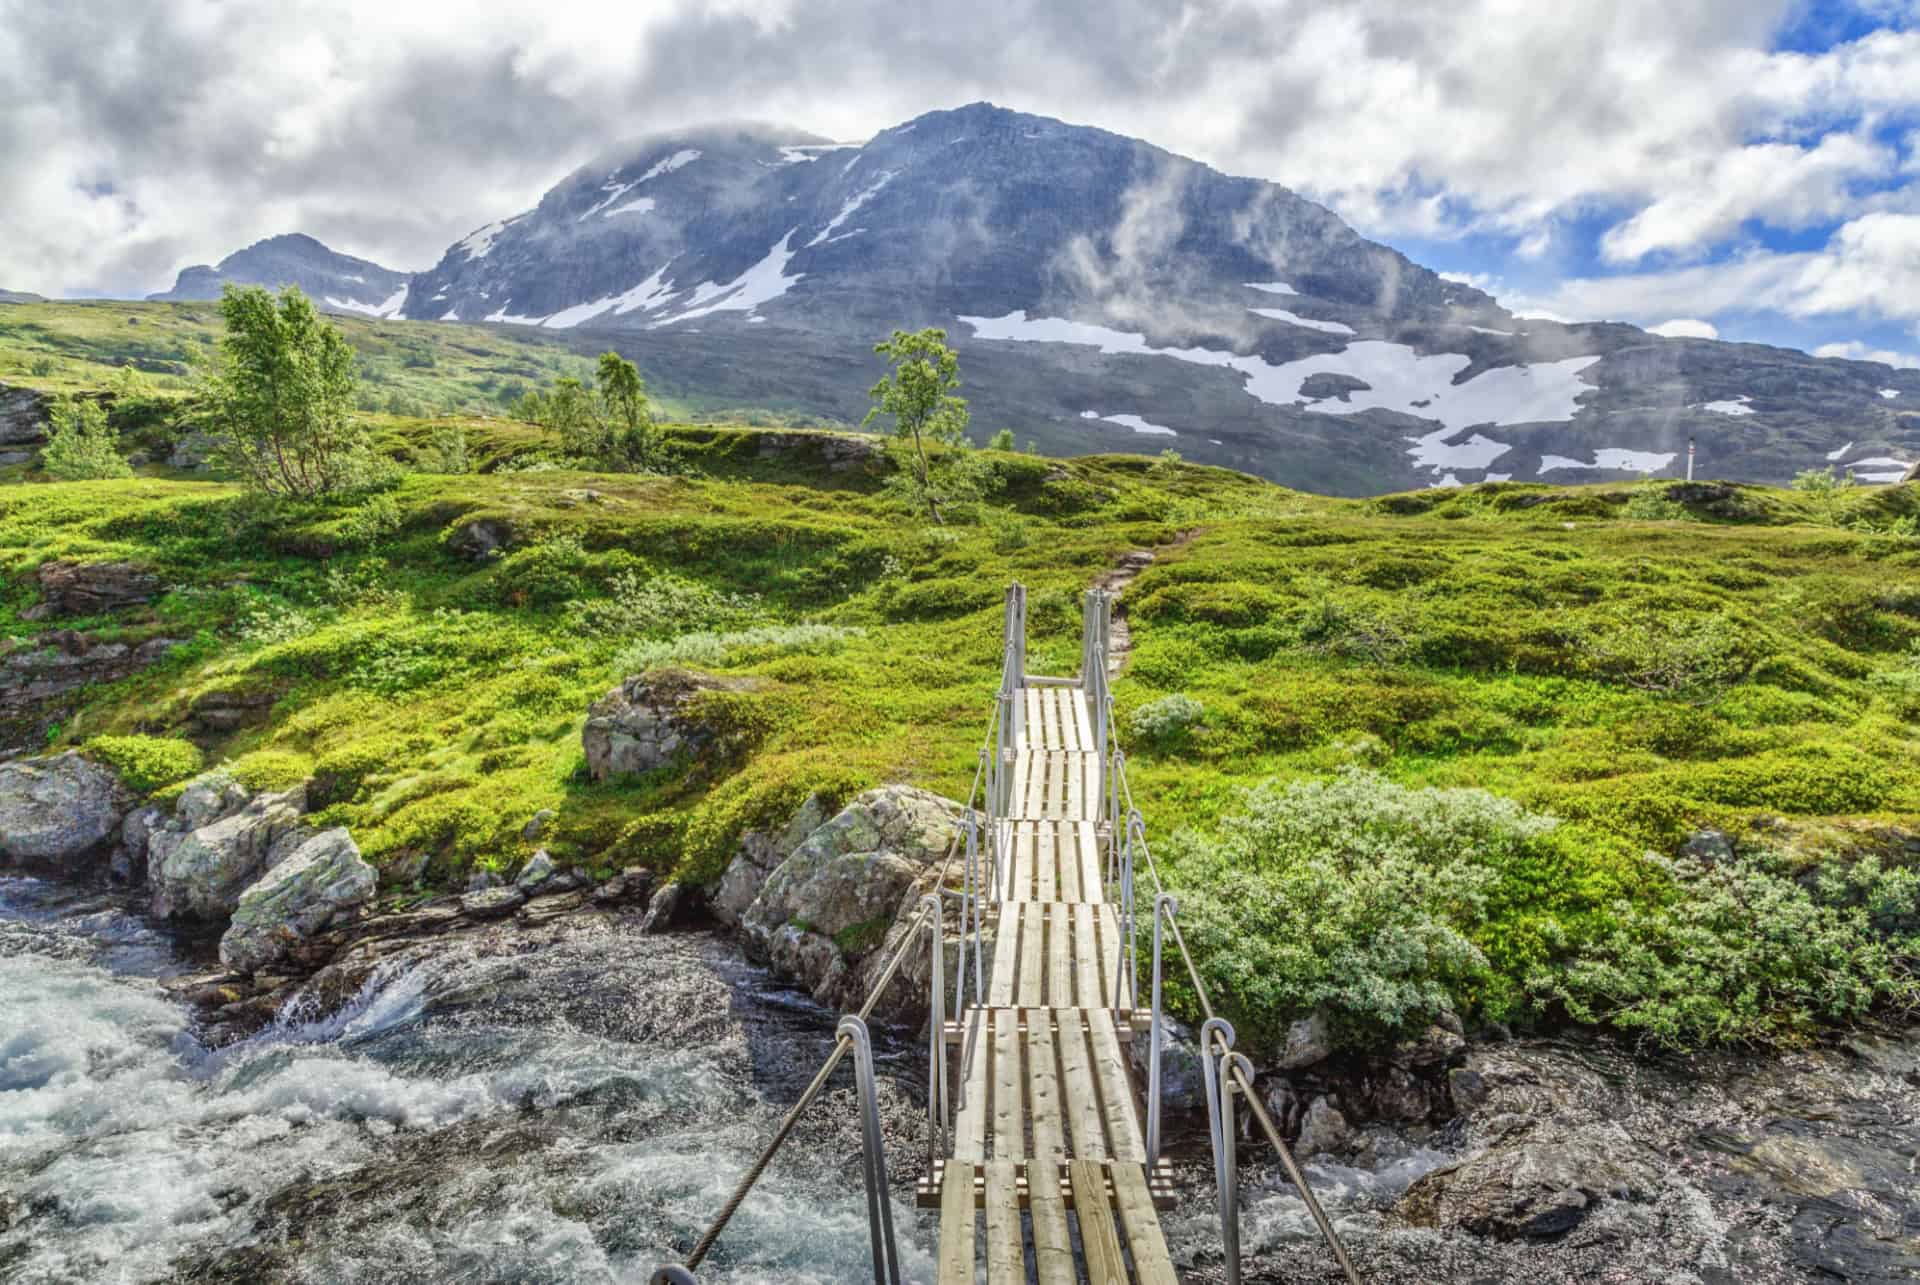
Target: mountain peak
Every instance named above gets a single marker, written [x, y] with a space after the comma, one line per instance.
[337, 282]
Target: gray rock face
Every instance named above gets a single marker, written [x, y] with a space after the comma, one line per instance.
[1309, 1040]
[59, 812]
[130, 858]
[40, 680]
[23, 416]
[836, 903]
[193, 450]
[92, 588]
[480, 539]
[319, 882]
[1181, 1071]
[200, 871]
[648, 720]
[492, 903]
[336, 282]
[538, 870]
[1535, 1188]
[1323, 1130]
[761, 853]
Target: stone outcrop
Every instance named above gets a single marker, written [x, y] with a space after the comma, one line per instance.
[840, 452]
[193, 450]
[1538, 1187]
[480, 539]
[23, 418]
[218, 843]
[60, 813]
[829, 914]
[321, 881]
[649, 719]
[1913, 474]
[41, 678]
[91, 588]
[760, 854]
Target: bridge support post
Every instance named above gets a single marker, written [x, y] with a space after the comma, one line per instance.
[937, 1025]
[886, 1255]
[1216, 1065]
[1165, 906]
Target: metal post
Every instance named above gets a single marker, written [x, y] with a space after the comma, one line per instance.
[1124, 982]
[937, 1041]
[1230, 1194]
[886, 1255]
[671, 1274]
[1219, 1032]
[1165, 905]
[1689, 459]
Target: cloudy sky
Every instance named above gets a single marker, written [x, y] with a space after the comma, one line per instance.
[1744, 167]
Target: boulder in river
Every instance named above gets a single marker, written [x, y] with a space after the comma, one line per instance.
[1538, 1186]
[319, 882]
[59, 812]
[837, 903]
[649, 719]
[200, 871]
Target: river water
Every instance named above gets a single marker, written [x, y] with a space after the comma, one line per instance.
[574, 1104]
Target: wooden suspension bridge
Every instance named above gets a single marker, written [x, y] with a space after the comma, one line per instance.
[1045, 1165]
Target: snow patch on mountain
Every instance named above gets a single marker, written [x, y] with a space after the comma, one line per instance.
[762, 283]
[1295, 319]
[1889, 393]
[649, 295]
[639, 205]
[1398, 378]
[1618, 459]
[1435, 452]
[1134, 422]
[685, 156]
[851, 207]
[1271, 287]
[389, 307]
[1833, 456]
[1738, 406]
[1881, 468]
[479, 243]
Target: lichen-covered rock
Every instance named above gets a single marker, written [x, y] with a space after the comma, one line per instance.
[201, 872]
[59, 812]
[838, 902]
[91, 588]
[319, 882]
[492, 903]
[538, 870]
[650, 718]
[761, 852]
[193, 450]
[1182, 1073]
[1309, 1040]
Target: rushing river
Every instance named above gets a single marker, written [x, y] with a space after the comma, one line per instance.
[575, 1104]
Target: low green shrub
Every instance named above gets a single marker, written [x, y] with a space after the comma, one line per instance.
[1168, 722]
[147, 763]
[660, 606]
[709, 650]
[271, 770]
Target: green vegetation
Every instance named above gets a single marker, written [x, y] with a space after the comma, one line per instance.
[80, 447]
[147, 763]
[917, 392]
[1435, 750]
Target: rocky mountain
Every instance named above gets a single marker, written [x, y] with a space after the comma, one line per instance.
[1106, 294]
[20, 296]
[336, 282]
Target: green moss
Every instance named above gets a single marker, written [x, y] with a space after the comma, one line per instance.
[147, 763]
[271, 770]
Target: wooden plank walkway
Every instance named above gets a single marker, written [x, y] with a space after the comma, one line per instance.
[1048, 1182]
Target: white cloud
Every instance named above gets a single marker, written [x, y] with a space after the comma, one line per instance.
[1854, 350]
[1686, 328]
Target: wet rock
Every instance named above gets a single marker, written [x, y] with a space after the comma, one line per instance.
[1309, 1040]
[129, 866]
[852, 882]
[761, 853]
[673, 905]
[1323, 1130]
[1438, 1043]
[537, 825]
[480, 539]
[1181, 1087]
[1395, 1093]
[1539, 1186]
[201, 871]
[538, 870]
[91, 588]
[649, 719]
[1710, 847]
[481, 880]
[632, 886]
[61, 812]
[492, 903]
[320, 881]
[1468, 1089]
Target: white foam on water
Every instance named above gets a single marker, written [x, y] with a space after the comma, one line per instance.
[1398, 378]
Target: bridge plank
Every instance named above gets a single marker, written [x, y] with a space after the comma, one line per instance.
[1099, 1241]
[970, 1124]
[1043, 1089]
[1034, 728]
[1006, 1254]
[1112, 943]
[1116, 1094]
[1006, 955]
[1052, 1242]
[1046, 863]
[1152, 1265]
[956, 1225]
[1009, 1123]
[1060, 955]
[1087, 851]
[1033, 957]
[1081, 1094]
[1083, 721]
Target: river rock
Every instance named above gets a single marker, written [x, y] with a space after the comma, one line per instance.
[1309, 1040]
[538, 870]
[59, 812]
[674, 904]
[319, 882]
[492, 903]
[91, 588]
[647, 720]
[1538, 1186]
[846, 893]
[761, 852]
[129, 866]
[202, 871]
[1323, 1130]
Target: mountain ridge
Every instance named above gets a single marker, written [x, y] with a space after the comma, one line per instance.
[335, 281]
